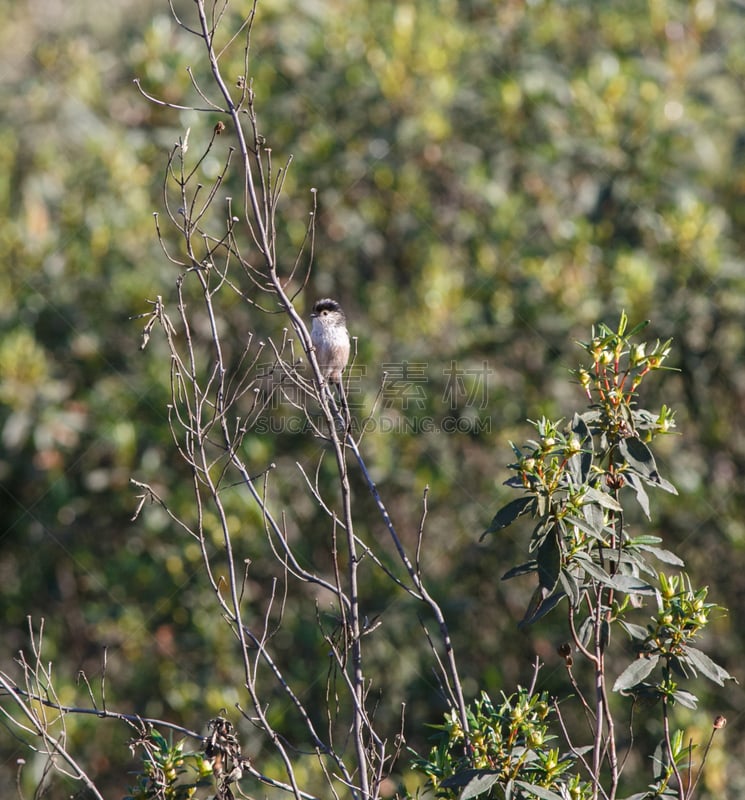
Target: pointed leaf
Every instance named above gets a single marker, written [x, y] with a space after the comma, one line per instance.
[604, 637]
[580, 464]
[703, 664]
[537, 791]
[602, 499]
[632, 563]
[508, 514]
[473, 781]
[645, 539]
[619, 559]
[663, 555]
[585, 632]
[584, 562]
[629, 584]
[478, 785]
[660, 760]
[537, 600]
[540, 605]
[639, 458]
[641, 496]
[640, 326]
[634, 631]
[583, 525]
[571, 588]
[541, 530]
[681, 667]
[686, 699]
[516, 482]
[635, 673]
[522, 569]
[594, 516]
[548, 558]
[579, 426]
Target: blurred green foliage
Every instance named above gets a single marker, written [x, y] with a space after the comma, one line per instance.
[492, 178]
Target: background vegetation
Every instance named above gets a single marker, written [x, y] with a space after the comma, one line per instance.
[492, 179]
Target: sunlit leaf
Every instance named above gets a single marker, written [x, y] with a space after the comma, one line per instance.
[666, 556]
[635, 673]
[571, 588]
[538, 791]
[703, 664]
[685, 699]
[602, 499]
[641, 495]
[639, 458]
[634, 631]
[580, 464]
[584, 525]
[473, 781]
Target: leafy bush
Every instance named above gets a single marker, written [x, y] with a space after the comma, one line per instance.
[576, 482]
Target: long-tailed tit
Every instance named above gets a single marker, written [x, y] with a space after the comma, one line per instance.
[330, 339]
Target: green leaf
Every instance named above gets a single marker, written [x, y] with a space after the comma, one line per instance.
[521, 569]
[622, 322]
[630, 584]
[583, 525]
[543, 529]
[703, 664]
[580, 464]
[595, 517]
[571, 588]
[641, 496]
[579, 426]
[515, 482]
[638, 563]
[537, 791]
[634, 631]
[663, 555]
[473, 781]
[635, 673]
[540, 604]
[685, 699]
[640, 326]
[602, 499]
[640, 459]
[604, 634]
[585, 562]
[661, 762]
[620, 558]
[681, 667]
[645, 539]
[586, 631]
[159, 740]
[508, 514]
[548, 558]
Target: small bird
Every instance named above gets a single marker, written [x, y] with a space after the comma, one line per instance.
[330, 339]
